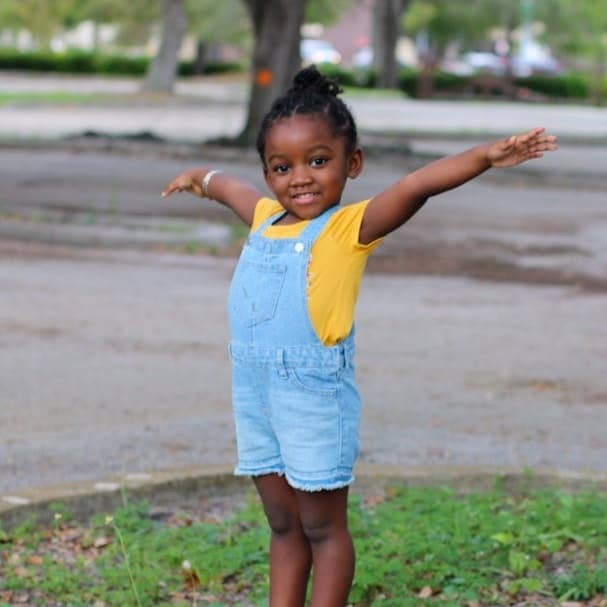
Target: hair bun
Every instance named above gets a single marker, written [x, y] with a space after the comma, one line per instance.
[310, 79]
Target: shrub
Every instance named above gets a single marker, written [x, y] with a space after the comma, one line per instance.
[565, 86]
[80, 62]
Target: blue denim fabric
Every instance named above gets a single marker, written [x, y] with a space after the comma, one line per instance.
[296, 405]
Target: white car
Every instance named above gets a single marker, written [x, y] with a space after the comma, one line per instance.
[314, 50]
[485, 62]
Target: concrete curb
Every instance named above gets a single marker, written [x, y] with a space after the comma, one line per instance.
[99, 230]
[168, 488]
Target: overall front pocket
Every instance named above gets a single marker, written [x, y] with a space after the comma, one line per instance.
[255, 291]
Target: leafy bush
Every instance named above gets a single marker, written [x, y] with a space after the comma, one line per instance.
[187, 68]
[565, 86]
[85, 62]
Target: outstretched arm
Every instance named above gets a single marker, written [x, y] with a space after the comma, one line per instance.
[237, 195]
[396, 205]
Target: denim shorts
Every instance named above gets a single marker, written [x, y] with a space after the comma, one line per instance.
[297, 414]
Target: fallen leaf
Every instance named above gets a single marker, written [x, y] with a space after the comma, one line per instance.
[425, 592]
[190, 577]
[20, 572]
[571, 604]
[34, 559]
[102, 541]
[70, 535]
[14, 558]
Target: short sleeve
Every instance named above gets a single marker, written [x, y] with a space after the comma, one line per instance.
[344, 228]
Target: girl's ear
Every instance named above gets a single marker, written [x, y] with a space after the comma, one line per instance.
[355, 163]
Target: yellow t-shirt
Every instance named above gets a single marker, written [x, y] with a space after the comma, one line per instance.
[336, 265]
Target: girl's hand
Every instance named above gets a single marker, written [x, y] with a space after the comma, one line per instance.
[190, 181]
[519, 148]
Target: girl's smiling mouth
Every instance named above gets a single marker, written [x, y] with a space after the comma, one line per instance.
[305, 197]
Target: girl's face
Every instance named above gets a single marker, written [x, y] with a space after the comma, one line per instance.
[306, 165]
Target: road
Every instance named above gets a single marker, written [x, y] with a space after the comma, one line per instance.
[481, 330]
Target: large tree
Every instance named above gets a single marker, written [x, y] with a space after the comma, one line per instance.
[277, 25]
[163, 68]
[386, 29]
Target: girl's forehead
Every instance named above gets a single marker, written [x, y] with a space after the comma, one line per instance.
[298, 129]
[317, 122]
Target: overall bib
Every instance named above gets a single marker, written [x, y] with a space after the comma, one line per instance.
[296, 405]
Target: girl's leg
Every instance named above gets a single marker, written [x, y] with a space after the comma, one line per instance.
[290, 554]
[324, 518]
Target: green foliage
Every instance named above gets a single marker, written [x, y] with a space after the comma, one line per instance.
[465, 21]
[326, 12]
[489, 547]
[575, 27]
[565, 86]
[80, 62]
[215, 22]
[581, 583]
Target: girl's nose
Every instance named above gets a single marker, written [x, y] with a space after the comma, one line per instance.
[300, 175]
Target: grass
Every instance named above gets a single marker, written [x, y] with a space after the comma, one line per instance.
[50, 98]
[415, 546]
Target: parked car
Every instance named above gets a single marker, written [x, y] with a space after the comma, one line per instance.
[317, 51]
[485, 62]
[363, 57]
[546, 65]
[476, 62]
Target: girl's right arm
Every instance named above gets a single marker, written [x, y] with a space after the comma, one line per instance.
[237, 195]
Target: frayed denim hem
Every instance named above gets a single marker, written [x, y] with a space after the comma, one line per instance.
[319, 484]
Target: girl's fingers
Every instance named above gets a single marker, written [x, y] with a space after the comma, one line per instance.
[169, 190]
[174, 186]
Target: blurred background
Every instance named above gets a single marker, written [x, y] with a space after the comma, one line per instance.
[518, 49]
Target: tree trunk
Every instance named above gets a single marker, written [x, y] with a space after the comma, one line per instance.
[163, 69]
[202, 53]
[276, 57]
[386, 27]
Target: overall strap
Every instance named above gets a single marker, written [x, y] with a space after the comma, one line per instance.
[316, 226]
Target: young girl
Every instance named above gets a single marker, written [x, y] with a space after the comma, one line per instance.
[291, 307]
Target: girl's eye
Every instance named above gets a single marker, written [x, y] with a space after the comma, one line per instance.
[280, 168]
[318, 162]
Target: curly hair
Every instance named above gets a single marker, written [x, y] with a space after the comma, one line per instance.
[312, 94]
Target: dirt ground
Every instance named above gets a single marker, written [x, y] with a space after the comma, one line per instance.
[481, 324]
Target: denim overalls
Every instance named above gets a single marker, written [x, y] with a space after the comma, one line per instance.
[296, 405]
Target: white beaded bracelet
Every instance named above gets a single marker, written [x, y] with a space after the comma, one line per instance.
[206, 181]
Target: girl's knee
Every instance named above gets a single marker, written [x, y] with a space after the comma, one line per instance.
[317, 531]
[282, 520]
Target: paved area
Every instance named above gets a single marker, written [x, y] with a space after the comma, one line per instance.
[214, 107]
[481, 331]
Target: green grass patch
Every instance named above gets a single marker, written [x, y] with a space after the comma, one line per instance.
[50, 98]
[487, 548]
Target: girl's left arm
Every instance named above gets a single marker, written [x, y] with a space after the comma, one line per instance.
[396, 205]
